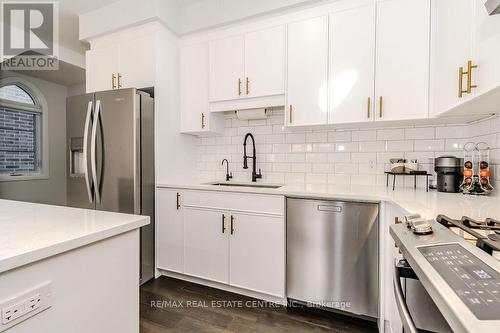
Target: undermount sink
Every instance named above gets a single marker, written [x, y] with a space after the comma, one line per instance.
[256, 185]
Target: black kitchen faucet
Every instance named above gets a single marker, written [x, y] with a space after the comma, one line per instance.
[255, 175]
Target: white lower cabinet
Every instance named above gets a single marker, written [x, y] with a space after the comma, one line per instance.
[256, 253]
[170, 230]
[205, 244]
[233, 239]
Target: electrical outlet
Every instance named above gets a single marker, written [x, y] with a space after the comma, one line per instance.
[372, 164]
[24, 305]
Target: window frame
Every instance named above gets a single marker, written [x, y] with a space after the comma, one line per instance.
[40, 106]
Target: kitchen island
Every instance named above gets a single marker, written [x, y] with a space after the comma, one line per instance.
[78, 268]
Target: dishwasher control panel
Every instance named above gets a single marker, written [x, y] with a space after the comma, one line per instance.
[476, 283]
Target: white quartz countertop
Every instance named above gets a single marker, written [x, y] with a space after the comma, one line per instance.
[30, 232]
[428, 204]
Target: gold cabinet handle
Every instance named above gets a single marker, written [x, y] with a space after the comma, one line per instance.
[470, 67]
[380, 106]
[290, 111]
[369, 108]
[202, 120]
[223, 222]
[247, 86]
[178, 201]
[119, 80]
[113, 80]
[397, 220]
[461, 74]
[239, 87]
[232, 224]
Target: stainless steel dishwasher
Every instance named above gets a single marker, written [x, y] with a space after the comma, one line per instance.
[332, 255]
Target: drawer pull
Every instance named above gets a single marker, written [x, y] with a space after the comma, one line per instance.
[178, 201]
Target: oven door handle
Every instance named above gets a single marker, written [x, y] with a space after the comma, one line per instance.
[406, 319]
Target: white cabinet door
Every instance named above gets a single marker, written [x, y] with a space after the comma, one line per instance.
[486, 49]
[226, 69]
[170, 233]
[101, 65]
[307, 70]
[257, 253]
[402, 59]
[206, 244]
[451, 49]
[194, 88]
[137, 62]
[265, 62]
[352, 64]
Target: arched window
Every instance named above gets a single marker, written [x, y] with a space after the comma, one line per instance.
[20, 131]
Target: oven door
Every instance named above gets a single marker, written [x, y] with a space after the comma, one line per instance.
[416, 308]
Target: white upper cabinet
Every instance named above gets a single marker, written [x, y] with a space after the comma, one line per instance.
[307, 69]
[451, 50]
[127, 62]
[226, 68]
[137, 62]
[102, 68]
[195, 117]
[402, 59]
[247, 66]
[265, 62]
[352, 64]
[486, 49]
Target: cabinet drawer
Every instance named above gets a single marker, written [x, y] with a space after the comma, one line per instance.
[270, 204]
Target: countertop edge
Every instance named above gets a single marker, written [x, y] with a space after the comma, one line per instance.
[71, 244]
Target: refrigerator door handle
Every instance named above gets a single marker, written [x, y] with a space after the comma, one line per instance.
[85, 152]
[93, 147]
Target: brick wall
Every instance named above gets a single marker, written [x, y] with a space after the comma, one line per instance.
[339, 157]
[17, 141]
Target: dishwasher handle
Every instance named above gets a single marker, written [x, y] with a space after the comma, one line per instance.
[330, 208]
[406, 319]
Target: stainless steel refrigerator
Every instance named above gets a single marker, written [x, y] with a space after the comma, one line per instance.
[110, 151]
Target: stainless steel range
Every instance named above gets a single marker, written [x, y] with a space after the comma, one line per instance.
[460, 275]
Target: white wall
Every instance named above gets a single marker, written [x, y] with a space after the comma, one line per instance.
[53, 189]
[175, 153]
[328, 156]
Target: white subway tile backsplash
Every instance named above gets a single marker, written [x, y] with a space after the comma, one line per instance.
[391, 134]
[295, 138]
[316, 137]
[372, 146]
[282, 148]
[323, 147]
[276, 138]
[338, 136]
[364, 135]
[420, 133]
[429, 145]
[301, 147]
[400, 145]
[317, 158]
[346, 147]
[448, 132]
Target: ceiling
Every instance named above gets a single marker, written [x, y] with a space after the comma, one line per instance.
[68, 20]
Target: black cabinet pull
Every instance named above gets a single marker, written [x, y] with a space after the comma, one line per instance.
[232, 224]
[223, 222]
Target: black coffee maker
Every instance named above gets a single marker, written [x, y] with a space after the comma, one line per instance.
[449, 173]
